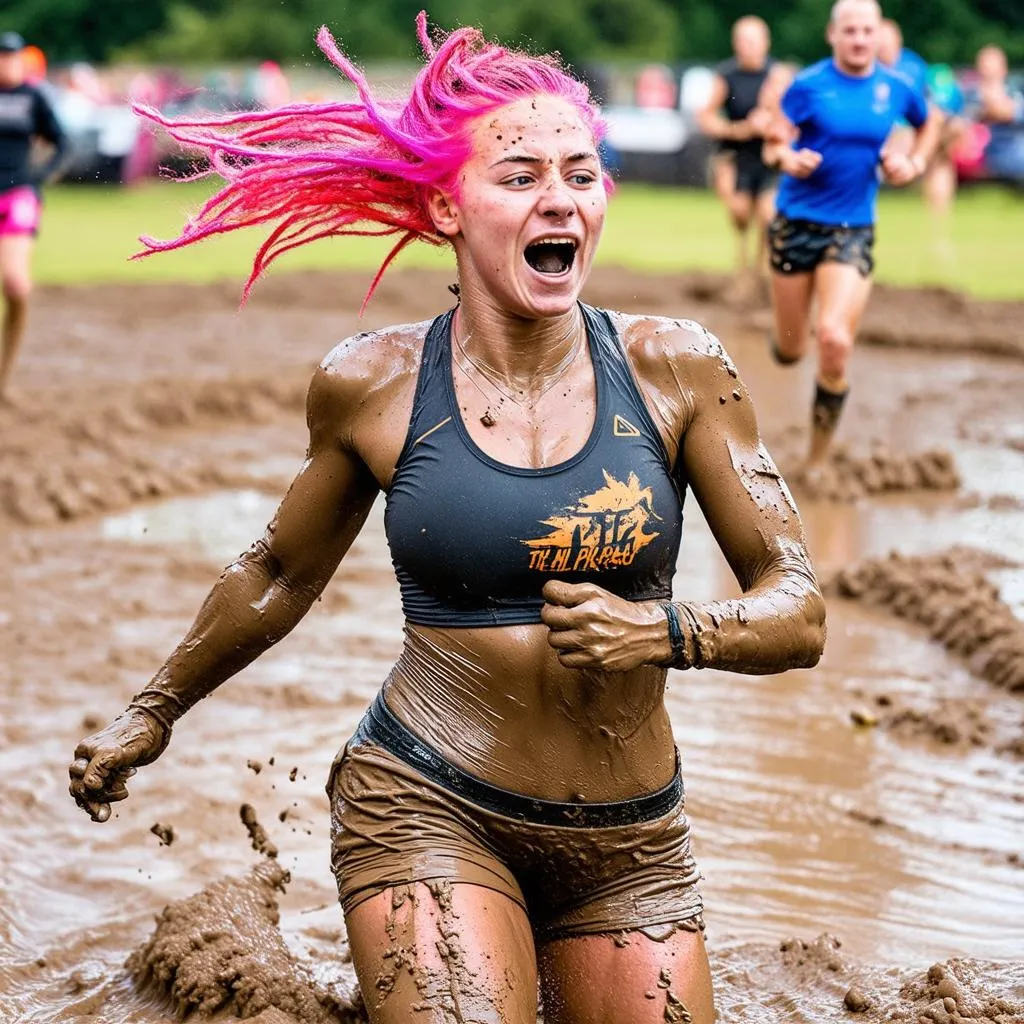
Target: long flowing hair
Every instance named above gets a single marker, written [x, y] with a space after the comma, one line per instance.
[316, 170]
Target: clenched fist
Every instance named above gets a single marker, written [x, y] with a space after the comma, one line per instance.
[106, 760]
[592, 628]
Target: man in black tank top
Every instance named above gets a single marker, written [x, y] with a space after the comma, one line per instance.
[734, 117]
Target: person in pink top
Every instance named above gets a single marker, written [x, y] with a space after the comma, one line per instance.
[25, 115]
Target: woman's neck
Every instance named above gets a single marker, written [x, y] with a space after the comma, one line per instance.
[522, 351]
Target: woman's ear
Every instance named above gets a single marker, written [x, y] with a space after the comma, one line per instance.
[444, 213]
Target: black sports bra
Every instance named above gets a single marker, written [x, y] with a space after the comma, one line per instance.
[474, 540]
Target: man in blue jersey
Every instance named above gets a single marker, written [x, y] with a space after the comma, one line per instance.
[25, 116]
[829, 142]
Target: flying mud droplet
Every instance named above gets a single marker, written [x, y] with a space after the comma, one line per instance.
[165, 833]
[261, 842]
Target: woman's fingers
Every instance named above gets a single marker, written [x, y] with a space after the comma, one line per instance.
[557, 617]
[97, 811]
[569, 595]
[578, 659]
[103, 763]
[567, 640]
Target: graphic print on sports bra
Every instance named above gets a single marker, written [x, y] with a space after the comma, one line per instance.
[602, 530]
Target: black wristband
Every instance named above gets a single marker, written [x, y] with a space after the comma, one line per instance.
[696, 630]
[676, 637]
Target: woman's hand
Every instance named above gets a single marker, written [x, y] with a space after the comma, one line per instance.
[591, 628]
[106, 760]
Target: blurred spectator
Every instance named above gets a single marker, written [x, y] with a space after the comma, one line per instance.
[656, 87]
[895, 55]
[1002, 111]
[938, 184]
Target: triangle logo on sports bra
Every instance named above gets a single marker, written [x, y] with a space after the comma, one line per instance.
[623, 428]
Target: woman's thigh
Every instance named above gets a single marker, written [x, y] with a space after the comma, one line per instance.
[443, 952]
[627, 979]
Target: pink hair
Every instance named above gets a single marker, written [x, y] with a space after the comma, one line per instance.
[363, 168]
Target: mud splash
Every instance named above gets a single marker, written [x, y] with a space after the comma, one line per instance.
[221, 951]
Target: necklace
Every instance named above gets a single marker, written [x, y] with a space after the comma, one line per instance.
[495, 379]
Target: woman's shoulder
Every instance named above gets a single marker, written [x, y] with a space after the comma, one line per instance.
[366, 373]
[365, 362]
[659, 345]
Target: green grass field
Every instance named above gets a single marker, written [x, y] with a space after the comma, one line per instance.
[89, 233]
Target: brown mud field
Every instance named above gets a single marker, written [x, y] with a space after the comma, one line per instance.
[859, 826]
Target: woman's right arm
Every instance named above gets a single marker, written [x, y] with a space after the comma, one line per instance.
[256, 602]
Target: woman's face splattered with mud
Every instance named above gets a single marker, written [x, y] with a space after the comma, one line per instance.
[529, 208]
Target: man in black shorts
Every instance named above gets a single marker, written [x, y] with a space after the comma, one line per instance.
[734, 117]
[829, 141]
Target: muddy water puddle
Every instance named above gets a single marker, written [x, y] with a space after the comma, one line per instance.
[783, 788]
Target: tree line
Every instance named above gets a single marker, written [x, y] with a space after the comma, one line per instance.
[582, 31]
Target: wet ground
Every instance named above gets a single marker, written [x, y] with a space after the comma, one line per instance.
[878, 798]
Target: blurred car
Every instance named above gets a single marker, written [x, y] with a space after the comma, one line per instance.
[656, 139]
[101, 136]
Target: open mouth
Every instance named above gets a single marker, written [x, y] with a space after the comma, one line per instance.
[551, 256]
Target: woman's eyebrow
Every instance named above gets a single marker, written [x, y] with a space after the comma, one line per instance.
[523, 158]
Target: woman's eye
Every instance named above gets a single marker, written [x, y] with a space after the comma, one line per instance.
[582, 178]
[519, 179]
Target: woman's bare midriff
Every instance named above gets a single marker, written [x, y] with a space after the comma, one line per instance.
[497, 703]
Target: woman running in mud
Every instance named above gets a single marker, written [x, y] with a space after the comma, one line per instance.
[511, 807]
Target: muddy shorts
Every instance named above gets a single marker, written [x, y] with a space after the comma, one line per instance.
[798, 246]
[576, 869]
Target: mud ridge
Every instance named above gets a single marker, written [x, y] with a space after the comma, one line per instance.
[949, 594]
[847, 477]
[221, 950]
[84, 459]
[936, 319]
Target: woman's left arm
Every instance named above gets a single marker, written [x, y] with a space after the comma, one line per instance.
[779, 623]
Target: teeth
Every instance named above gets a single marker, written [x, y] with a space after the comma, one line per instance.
[555, 241]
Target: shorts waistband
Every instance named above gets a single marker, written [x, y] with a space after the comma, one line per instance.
[820, 227]
[382, 727]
